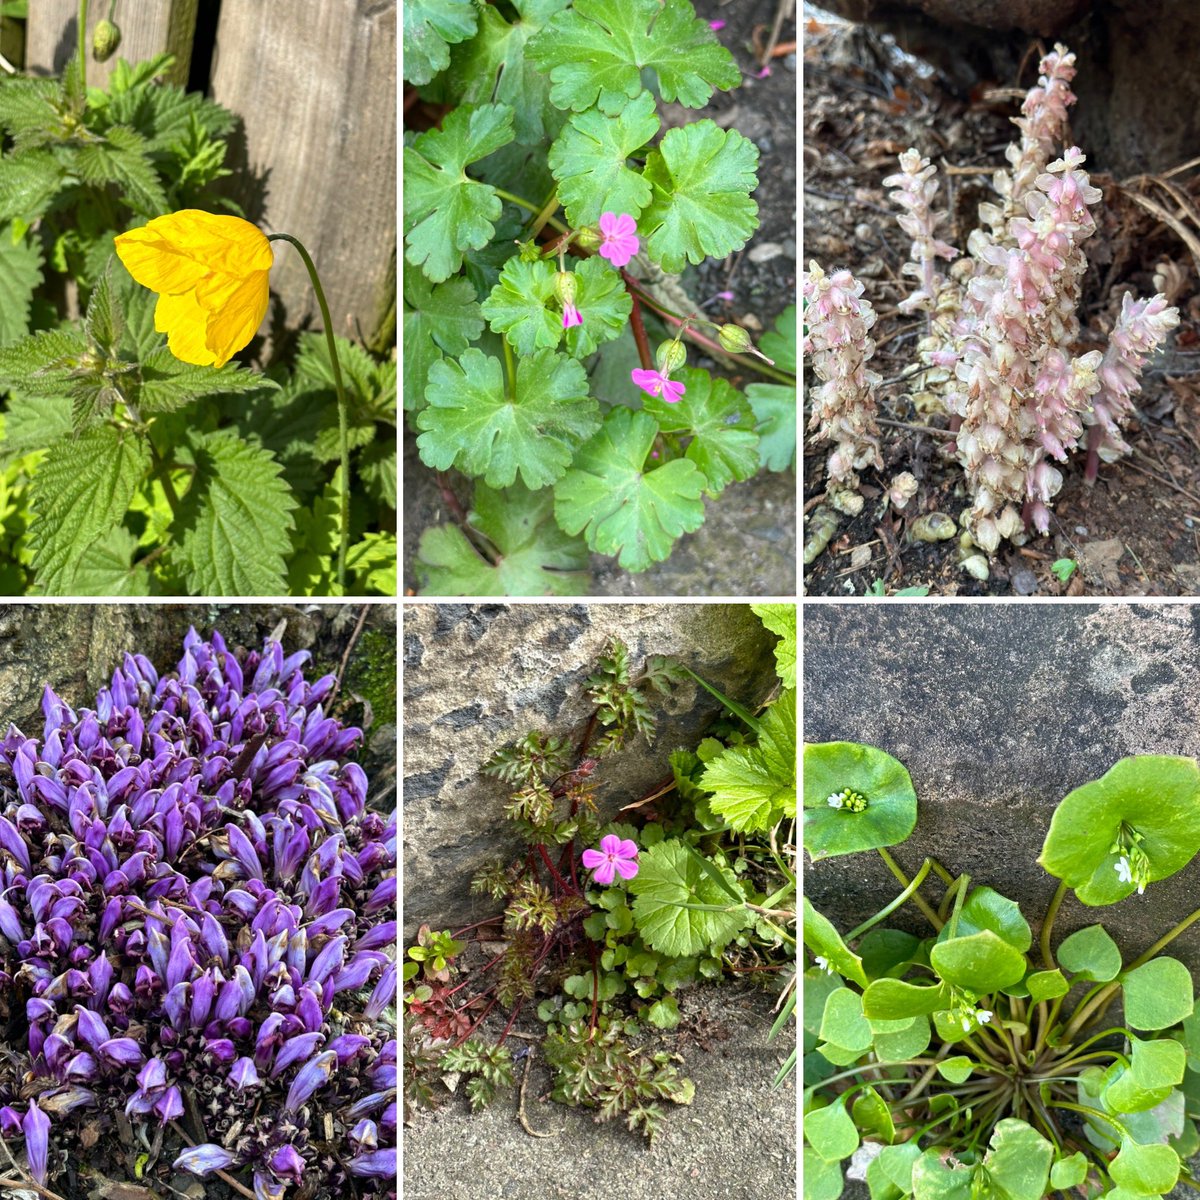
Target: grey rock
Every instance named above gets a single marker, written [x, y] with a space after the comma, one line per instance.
[520, 667]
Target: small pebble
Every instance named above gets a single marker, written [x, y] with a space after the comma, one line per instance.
[764, 252]
[864, 232]
[1081, 530]
[1024, 583]
[789, 248]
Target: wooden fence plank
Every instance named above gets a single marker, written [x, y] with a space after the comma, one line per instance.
[148, 27]
[317, 91]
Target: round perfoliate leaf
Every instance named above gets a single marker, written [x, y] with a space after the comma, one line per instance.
[1153, 798]
[897, 1163]
[883, 950]
[980, 963]
[901, 1044]
[1090, 954]
[985, 908]
[822, 1180]
[1158, 994]
[881, 809]
[872, 1115]
[843, 1022]
[1047, 985]
[893, 1000]
[956, 1069]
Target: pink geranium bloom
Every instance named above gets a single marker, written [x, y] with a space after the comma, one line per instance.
[571, 316]
[619, 240]
[616, 856]
[715, 26]
[658, 384]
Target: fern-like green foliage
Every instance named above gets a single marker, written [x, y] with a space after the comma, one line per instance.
[491, 1067]
[621, 703]
[534, 756]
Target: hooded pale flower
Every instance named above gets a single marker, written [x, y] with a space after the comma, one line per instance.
[656, 384]
[211, 274]
[571, 316]
[618, 238]
[615, 856]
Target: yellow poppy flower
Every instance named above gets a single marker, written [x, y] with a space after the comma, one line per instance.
[211, 275]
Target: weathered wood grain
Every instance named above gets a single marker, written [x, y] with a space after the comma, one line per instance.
[148, 27]
[317, 94]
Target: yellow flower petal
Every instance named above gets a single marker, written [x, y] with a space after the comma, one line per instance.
[186, 325]
[235, 322]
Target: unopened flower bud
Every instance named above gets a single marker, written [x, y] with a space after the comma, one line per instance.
[106, 37]
[734, 339]
[564, 287]
[528, 251]
[588, 238]
[670, 356]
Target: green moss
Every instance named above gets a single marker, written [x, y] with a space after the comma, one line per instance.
[371, 674]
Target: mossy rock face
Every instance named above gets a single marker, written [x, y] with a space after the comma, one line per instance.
[371, 675]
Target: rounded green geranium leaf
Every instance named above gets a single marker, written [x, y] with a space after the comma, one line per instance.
[1090, 954]
[1158, 994]
[882, 807]
[980, 963]
[824, 941]
[1154, 799]
[987, 909]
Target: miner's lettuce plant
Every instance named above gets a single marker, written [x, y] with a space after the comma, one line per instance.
[972, 1062]
[543, 218]
[704, 887]
[145, 468]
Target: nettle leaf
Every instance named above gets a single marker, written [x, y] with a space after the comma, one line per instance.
[28, 184]
[371, 564]
[493, 65]
[533, 556]
[774, 408]
[754, 787]
[122, 158]
[590, 158]
[668, 878]
[438, 318]
[596, 54]
[523, 306]
[42, 365]
[473, 424]
[720, 423]
[883, 782]
[1154, 796]
[105, 568]
[445, 212]
[429, 25]
[233, 524]
[80, 492]
[168, 384]
[20, 274]
[780, 619]
[1090, 954]
[702, 177]
[619, 506]
[822, 938]
[1158, 994]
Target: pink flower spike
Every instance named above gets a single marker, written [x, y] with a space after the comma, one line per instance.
[615, 856]
[657, 384]
[619, 240]
[571, 316]
[716, 26]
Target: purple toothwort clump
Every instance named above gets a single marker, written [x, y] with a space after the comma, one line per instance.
[200, 908]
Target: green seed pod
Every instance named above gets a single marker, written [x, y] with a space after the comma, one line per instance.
[588, 238]
[564, 287]
[670, 356]
[106, 37]
[529, 251]
[734, 339]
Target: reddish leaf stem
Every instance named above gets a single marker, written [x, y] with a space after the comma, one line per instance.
[639, 329]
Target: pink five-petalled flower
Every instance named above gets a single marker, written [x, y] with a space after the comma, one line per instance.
[619, 240]
[571, 316]
[657, 384]
[615, 856]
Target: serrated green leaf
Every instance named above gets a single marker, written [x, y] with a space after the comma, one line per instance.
[755, 786]
[590, 161]
[445, 212]
[534, 556]
[619, 506]
[702, 177]
[232, 529]
[122, 158]
[430, 27]
[167, 384]
[779, 344]
[29, 107]
[376, 471]
[105, 568]
[474, 425]
[441, 318]
[34, 422]
[81, 491]
[104, 322]
[774, 407]
[720, 423]
[41, 365]
[668, 878]
[20, 274]
[596, 53]
[371, 565]
[28, 184]
[780, 619]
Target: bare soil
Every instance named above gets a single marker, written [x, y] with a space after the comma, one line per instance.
[1137, 531]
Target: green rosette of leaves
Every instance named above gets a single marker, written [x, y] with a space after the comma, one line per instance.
[881, 809]
[1149, 802]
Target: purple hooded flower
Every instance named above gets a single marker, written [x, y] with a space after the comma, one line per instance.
[287, 1164]
[243, 1074]
[376, 1164]
[36, 1127]
[200, 1160]
[313, 1075]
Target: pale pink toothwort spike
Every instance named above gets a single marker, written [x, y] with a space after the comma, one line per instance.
[616, 856]
[619, 240]
[657, 384]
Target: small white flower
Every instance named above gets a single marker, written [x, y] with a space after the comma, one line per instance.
[983, 1016]
[836, 800]
[966, 1024]
[1121, 866]
[823, 963]
[1141, 888]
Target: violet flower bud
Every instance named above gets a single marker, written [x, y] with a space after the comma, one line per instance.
[10, 1122]
[328, 961]
[222, 1049]
[122, 1052]
[243, 1074]
[375, 1164]
[294, 1050]
[169, 1106]
[347, 1046]
[365, 1135]
[91, 1028]
[36, 1126]
[152, 1075]
[287, 1164]
[383, 995]
[200, 1160]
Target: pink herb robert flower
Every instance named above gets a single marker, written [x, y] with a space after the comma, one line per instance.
[571, 316]
[657, 384]
[619, 240]
[616, 856]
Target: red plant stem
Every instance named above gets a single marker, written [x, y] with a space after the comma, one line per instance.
[478, 924]
[595, 984]
[515, 1011]
[450, 500]
[639, 329]
[1092, 469]
[482, 1017]
[562, 883]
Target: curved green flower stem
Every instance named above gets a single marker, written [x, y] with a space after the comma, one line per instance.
[1077, 1055]
[1048, 925]
[1184, 1177]
[941, 871]
[81, 47]
[964, 882]
[547, 211]
[888, 909]
[1082, 1010]
[947, 899]
[343, 410]
[1107, 1118]
[533, 208]
[917, 898]
[510, 370]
